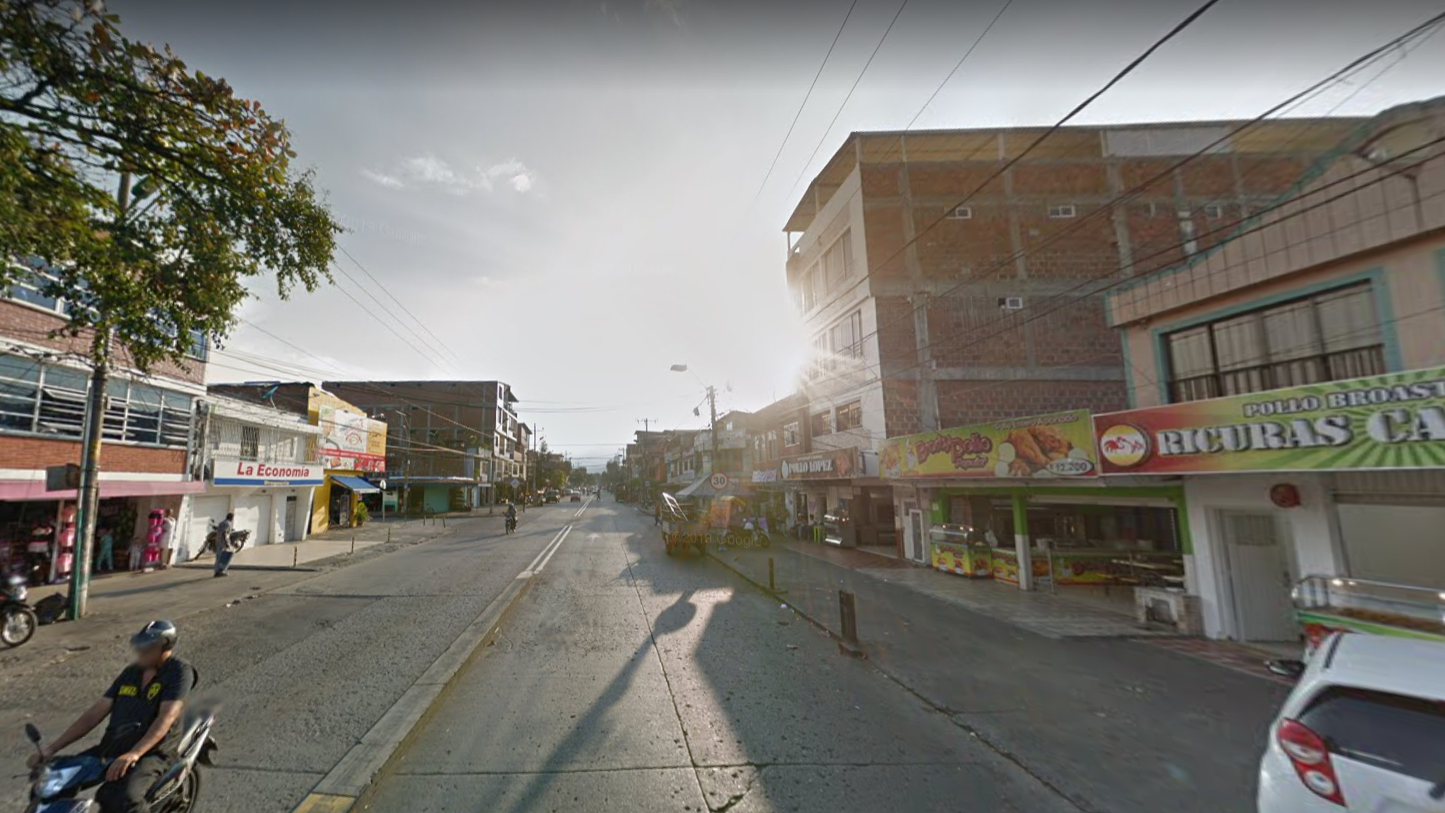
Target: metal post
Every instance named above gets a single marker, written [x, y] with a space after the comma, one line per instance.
[712, 431]
[353, 543]
[88, 502]
[295, 556]
[772, 585]
[848, 621]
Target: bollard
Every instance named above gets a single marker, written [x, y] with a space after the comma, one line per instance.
[444, 522]
[295, 554]
[772, 586]
[353, 543]
[848, 618]
[388, 536]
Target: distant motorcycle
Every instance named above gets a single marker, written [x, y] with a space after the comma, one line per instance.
[511, 524]
[17, 617]
[59, 781]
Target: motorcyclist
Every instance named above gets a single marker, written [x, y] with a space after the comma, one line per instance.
[144, 705]
[512, 514]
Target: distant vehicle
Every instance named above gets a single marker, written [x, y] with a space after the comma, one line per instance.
[1363, 730]
[550, 496]
[576, 497]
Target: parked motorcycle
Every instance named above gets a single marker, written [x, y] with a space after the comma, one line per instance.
[17, 617]
[58, 782]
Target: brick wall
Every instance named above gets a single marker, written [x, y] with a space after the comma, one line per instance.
[39, 453]
[962, 403]
[34, 326]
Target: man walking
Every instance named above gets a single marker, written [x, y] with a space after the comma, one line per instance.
[224, 550]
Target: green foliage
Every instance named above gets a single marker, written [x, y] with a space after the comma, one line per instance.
[151, 190]
[361, 515]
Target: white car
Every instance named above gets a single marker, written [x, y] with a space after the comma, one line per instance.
[1362, 732]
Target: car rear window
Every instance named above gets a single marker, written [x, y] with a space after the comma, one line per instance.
[1395, 732]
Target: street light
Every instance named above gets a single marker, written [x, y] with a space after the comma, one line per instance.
[712, 412]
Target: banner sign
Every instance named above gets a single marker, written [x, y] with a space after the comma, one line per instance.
[832, 465]
[252, 473]
[1394, 421]
[351, 440]
[765, 475]
[1041, 446]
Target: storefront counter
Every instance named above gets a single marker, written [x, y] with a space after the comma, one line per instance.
[963, 559]
[1325, 605]
[1105, 566]
[1005, 566]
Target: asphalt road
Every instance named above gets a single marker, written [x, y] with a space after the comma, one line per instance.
[302, 672]
[628, 680]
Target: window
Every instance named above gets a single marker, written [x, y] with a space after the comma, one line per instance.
[1214, 211]
[1326, 337]
[1389, 732]
[822, 356]
[790, 433]
[847, 336]
[838, 261]
[960, 213]
[810, 287]
[1061, 212]
[821, 424]
[850, 416]
[50, 400]
[29, 286]
[250, 442]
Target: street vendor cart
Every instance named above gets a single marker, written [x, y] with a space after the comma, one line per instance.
[1330, 604]
[680, 529]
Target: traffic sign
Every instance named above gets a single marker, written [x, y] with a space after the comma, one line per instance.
[718, 481]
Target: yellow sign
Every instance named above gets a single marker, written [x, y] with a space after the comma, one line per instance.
[1060, 445]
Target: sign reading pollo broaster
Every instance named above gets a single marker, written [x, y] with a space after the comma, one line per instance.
[1394, 421]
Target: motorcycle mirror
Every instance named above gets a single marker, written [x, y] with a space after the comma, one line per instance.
[32, 733]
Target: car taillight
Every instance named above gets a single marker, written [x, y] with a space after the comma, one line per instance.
[1311, 760]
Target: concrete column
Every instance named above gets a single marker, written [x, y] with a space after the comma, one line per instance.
[1022, 547]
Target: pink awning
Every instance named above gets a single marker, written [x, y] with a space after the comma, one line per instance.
[14, 490]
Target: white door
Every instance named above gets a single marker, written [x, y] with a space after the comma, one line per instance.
[915, 535]
[253, 514]
[1259, 575]
[205, 511]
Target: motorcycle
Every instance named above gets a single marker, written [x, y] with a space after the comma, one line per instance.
[17, 618]
[59, 781]
[238, 537]
[511, 524]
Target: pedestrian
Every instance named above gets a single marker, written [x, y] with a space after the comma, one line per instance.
[105, 559]
[224, 551]
[168, 535]
[656, 515]
[135, 553]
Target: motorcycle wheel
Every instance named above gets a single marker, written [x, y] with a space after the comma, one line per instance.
[184, 801]
[18, 625]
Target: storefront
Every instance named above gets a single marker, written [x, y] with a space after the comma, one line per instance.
[353, 447]
[820, 489]
[38, 526]
[1335, 482]
[272, 501]
[1020, 501]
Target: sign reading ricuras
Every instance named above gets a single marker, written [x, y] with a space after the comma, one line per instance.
[1394, 421]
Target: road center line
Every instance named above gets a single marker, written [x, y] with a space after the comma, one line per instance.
[551, 547]
[554, 546]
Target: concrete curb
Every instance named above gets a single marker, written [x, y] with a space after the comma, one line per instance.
[349, 783]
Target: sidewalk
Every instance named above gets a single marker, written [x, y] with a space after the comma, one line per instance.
[121, 601]
[1116, 724]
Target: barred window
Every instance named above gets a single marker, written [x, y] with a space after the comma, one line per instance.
[49, 399]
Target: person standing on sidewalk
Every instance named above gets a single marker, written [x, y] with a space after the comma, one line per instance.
[224, 549]
[105, 559]
[135, 553]
[168, 535]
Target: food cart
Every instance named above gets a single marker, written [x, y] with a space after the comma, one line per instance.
[1329, 604]
[680, 528]
[960, 549]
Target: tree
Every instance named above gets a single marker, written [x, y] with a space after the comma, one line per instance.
[150, 192]
[145, 193]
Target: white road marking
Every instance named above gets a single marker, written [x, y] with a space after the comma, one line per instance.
[554, 546]
[551, 548]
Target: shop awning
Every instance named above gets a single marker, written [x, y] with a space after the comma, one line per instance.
[355, 484]
[16, 490]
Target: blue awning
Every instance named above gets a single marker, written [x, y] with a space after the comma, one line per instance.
[355, 484]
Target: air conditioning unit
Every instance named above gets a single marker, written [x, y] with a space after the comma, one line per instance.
[1011, 303]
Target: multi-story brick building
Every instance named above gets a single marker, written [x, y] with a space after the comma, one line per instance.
[945, 286]
[148, 459]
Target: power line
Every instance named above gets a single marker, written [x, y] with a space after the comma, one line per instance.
[1135, 191]
[398, 302]
[957, 65]
[438, 355]
[861, 73]
[806, 97]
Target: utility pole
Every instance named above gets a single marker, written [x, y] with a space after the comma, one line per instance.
[88, 498]
[712, 425]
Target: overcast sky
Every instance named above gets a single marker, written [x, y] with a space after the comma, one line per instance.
[565, 191]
